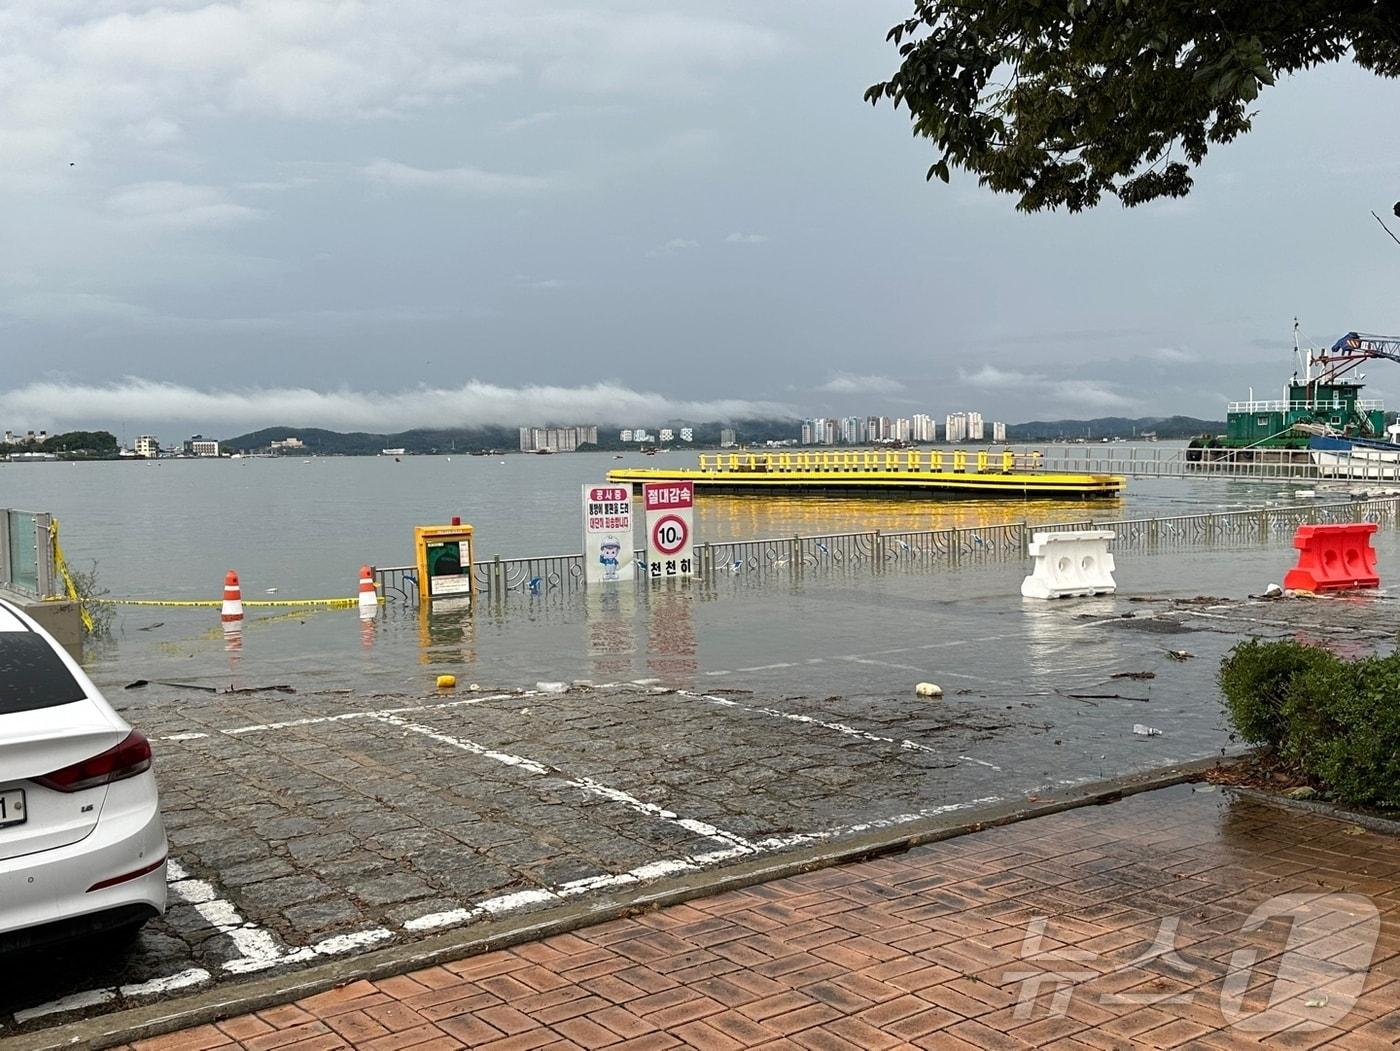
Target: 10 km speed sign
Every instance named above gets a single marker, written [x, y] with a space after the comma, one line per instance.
[670, 529]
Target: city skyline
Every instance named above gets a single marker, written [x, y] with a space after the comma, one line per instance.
[470, 212]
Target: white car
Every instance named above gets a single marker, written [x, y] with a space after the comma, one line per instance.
[82, 845]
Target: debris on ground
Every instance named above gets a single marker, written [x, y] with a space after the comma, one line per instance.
[1146, 731]
[1134, 675]
[928, 689]
[142, 683]
[1180, 655]
[1273, 591]
[278, 688]
[1302, 792]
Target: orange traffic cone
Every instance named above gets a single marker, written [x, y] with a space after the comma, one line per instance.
[233, 598]
[369, 598]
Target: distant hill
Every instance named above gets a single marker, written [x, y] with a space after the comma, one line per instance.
[469, 439]
[1113, 427]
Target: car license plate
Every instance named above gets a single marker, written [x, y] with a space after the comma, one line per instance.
[12, 810]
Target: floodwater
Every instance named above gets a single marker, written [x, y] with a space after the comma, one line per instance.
[298, 528]
[170, 528]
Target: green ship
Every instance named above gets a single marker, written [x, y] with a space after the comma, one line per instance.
[1326, 401]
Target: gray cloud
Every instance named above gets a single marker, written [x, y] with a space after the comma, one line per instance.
[474, 403]
[468, 180]
[849, 383]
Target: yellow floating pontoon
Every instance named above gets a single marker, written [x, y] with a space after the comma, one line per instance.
[956, 473]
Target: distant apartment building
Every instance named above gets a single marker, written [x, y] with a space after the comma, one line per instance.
[29, 438]
[288, 445]
[923, 429]
[204, 447]
[975, 428]
[998, 432]
[147, 446]
[556, 439]
[955, 427]
[853, 430]
[727, 438]
[821, 431]
[901, 429]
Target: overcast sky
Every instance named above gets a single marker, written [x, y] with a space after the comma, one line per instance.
[220, 216]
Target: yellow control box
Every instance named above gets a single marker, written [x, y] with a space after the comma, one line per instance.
[444, 557]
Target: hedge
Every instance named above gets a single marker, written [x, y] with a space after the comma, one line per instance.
[1337, 721]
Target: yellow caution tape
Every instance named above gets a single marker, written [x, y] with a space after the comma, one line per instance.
[62, 564]
[330, 603]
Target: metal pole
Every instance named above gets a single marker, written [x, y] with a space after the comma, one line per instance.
[5, 568]
[43, 555]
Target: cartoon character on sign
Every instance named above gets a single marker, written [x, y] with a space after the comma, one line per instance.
[607, 555]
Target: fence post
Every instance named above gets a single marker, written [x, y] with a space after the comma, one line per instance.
[498, 579]
[1025, 538]
[954, 545]
[707, 562]
[1263, 526]
[877, 551]
[43, 555]
[5, 568]
[795, 554]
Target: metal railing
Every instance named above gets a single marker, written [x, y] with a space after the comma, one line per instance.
[1283, 405]
[982, 461]
[935, 548]
[27, 553]
[1278, 465]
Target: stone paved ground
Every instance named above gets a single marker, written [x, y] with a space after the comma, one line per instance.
[1103, 927]
[328, 822]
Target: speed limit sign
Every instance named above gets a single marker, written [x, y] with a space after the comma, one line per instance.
[669, 534]
[670, 528]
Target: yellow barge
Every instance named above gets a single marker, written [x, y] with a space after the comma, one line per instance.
[956, 473]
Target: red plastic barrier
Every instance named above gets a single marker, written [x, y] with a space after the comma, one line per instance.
[1334, 557]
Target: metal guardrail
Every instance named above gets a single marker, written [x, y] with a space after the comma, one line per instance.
[950, 548]
[27, 553]
[1283, 465]
[961, 461]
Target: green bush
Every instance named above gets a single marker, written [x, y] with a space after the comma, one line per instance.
[1336, 721]
[1256, 677]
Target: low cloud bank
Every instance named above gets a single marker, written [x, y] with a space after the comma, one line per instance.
[148, 403]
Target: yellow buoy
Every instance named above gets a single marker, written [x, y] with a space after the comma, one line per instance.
[446, 682]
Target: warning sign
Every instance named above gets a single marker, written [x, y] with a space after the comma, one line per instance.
[670, 529]
[607, 533]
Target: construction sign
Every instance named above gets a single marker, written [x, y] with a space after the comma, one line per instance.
[607, 533]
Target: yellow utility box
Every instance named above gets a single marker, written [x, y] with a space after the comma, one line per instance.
[444, 557]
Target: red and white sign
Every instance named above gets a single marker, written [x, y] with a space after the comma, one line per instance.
[670, 529]
[607, 533]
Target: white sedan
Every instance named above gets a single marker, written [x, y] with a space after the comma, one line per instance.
[82, 846]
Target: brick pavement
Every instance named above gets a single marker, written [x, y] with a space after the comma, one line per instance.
[929, 949]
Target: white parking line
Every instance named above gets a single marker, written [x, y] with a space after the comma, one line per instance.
[584, 784]
[510, 903]
[256, 947]
[90, 998]
[841, 728]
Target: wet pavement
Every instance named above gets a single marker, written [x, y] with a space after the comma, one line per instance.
[1187, 917]
[363, 811]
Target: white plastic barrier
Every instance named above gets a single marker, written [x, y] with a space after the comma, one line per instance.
[1070, 563]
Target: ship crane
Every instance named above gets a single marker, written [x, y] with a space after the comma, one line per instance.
[1349, 352]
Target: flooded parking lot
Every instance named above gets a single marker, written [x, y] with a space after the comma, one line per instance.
[356, 807]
